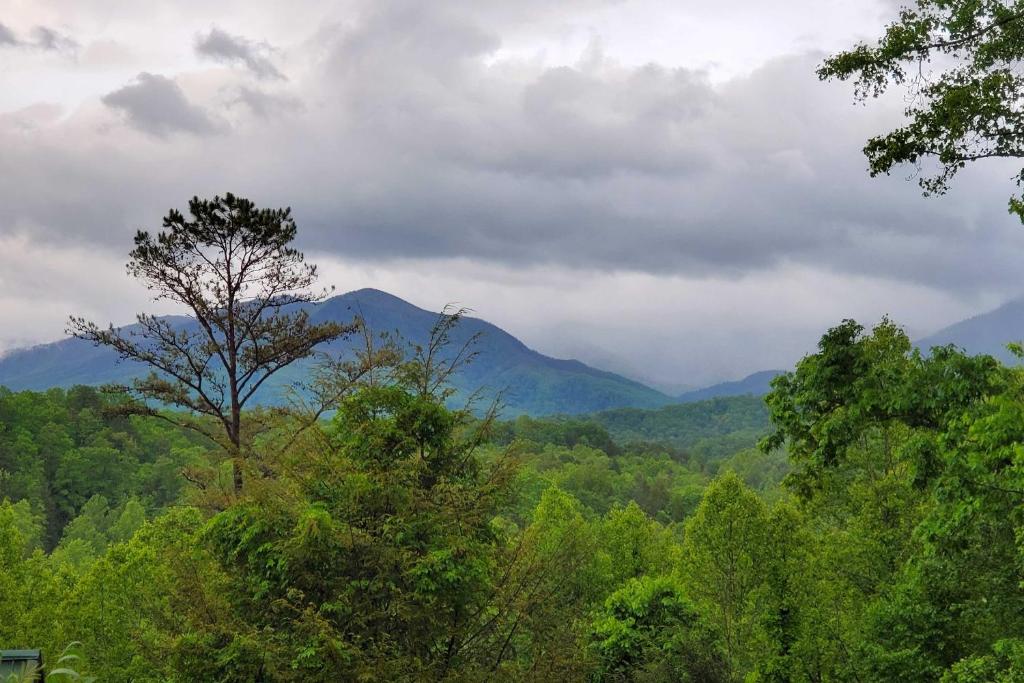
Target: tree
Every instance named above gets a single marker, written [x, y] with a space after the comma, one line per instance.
[906, 466]
[871, 401]
[636, 545]
[555, 575]
[232, 265]
[648, 631]
[1004, 665]
[959, 59]
[371, 552]
[959, 596]
[725, 554]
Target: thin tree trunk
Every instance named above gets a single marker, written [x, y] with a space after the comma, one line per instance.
[236, 448]
[236, 473]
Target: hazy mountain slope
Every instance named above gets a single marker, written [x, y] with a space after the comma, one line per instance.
[756, 384]
[531, 382]
[66, 363]
[986, 333]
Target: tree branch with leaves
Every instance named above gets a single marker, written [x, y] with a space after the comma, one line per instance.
[961, 62]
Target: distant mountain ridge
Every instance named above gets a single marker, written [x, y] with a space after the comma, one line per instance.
[985, 333]
[529, 382]
[757, 384]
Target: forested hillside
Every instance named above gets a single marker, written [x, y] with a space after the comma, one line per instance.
[75, 517]
[402, 541]
[757, 384]
[711, 428]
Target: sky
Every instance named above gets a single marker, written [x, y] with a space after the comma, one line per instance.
[659, 188]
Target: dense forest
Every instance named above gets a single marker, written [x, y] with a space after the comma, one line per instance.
[863, 522]
[874, 534]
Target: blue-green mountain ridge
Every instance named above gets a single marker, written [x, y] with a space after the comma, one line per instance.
[530, 382]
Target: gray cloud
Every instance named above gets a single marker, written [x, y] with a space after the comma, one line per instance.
[224, 47]
[7, 36]
[606, 166]
[265, 105]
[412, 141]
[43, 38]
[432, 150]
[407, 134]
[156, 104]
[46, 38]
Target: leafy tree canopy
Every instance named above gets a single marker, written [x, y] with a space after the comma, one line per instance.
[960, 61]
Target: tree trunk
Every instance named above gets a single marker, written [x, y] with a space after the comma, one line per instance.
[236, 449]
[236, 472]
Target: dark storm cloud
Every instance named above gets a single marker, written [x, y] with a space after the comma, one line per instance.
[156, 105]
[642, 168]
[411, 137]
[224, 47]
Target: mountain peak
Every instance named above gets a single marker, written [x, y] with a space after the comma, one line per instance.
[370, 293]
[528, 381]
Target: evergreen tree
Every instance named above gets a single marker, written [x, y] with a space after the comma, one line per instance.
[233, 267]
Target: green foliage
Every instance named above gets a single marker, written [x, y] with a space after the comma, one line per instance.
[96, 527]
[706, 430]
[60, 449]
[907, 465]
[1004, 665]
[648, 631]
[394, 543]
[763, 472]
[652, 478]
[65, 669]
[377, 553]
[557, 431]
[725, 552]
[640, 464]
[404, 541]
[959, 60]
[864, 393]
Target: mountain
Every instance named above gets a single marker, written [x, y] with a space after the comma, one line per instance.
[530, 382]
[986, 333]
[756, 384]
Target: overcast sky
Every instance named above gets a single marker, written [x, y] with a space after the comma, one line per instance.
[657, 187]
